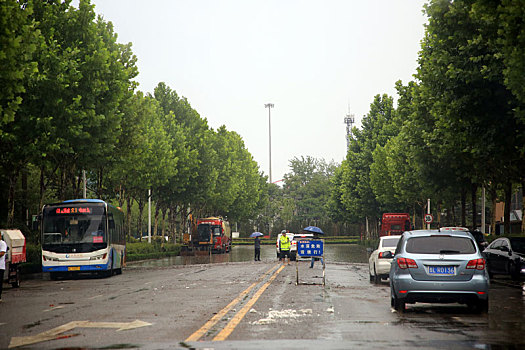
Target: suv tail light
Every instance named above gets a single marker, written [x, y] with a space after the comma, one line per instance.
[405, 263]
[478, 264]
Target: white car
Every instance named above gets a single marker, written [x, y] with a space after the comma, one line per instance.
[298, 237]
[381, 258]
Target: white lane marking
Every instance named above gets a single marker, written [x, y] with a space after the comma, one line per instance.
[54, 333]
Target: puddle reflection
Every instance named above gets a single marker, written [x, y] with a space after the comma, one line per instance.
[333, 253]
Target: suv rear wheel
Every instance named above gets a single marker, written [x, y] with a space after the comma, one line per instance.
[397, 304]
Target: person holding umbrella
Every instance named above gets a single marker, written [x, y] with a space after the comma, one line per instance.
[316, 231]
[257, 245]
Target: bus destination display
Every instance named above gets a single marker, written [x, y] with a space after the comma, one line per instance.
[74, 210]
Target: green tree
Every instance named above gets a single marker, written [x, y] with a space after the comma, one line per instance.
[19, 39]
[197, 176]
[237, 190]
[461, 73]
[306, 192]
[355, 192]
[86, 76]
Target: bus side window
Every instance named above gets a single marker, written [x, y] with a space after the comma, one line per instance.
[111, 233]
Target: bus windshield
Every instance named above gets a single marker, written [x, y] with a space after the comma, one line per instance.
[70, 230]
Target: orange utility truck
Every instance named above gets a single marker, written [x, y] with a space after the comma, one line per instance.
[213, 234]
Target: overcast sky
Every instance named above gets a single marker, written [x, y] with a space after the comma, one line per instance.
[311, 59]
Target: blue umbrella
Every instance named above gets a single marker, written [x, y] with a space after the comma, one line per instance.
[314, 229]
[256, 234]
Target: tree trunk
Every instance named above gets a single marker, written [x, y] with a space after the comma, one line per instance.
[493, 218]
[79, 187]
[522, 206]
[140, 202]
[61, 184]
[121, 194]
[171, 224]
[164, 211]
[474, 198]
[184, 221]
[414, 217]
[25, 196]
[463, 208]
[508, 201]
[13, 178]
[439, 213]
[100, 179]
[128, 216]
[42, 187]
[156, 225]
[423, 213]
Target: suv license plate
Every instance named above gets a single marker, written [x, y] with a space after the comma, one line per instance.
[73, 268]
[441, 270]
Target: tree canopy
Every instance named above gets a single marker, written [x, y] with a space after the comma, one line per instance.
[457, 127]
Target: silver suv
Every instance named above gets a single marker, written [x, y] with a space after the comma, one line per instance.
[438, 267]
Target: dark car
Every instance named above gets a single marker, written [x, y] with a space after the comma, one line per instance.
[506, 256]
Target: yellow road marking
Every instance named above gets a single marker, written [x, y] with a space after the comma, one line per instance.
[212, 321]
[226, 331]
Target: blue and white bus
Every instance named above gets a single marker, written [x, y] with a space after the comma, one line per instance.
[82, 235]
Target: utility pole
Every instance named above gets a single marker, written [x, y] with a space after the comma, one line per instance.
[483, 219]
[149, 216]
[428, 211]
[269, 106]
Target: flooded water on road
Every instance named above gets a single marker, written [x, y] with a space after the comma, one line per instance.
[333, 253]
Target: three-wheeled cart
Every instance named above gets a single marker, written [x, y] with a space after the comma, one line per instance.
[16, 254]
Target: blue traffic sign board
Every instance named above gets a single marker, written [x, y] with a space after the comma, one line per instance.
[310, 248]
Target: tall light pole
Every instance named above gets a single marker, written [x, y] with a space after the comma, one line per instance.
[270, 106]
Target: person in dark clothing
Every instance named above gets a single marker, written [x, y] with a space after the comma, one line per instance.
[316, 236]
[257, 246]
[3, 251]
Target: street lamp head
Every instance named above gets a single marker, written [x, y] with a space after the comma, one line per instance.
[268, 105]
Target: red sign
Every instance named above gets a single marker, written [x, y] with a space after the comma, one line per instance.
[98, 239]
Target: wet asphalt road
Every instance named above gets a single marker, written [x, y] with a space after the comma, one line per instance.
[272, 311]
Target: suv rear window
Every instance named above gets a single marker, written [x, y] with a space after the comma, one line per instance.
[440, 245]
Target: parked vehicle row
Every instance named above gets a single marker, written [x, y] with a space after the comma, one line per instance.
[506, 256]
